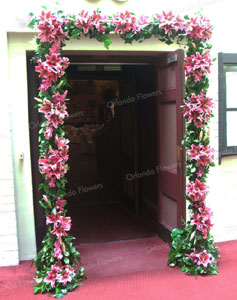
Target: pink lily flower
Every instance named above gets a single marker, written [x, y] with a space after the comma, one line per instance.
[52, 276]
[84, 21]
[65, 277]
[52, 218]
[57, 250]
[60, 204]
[46, 107]
[54, 118]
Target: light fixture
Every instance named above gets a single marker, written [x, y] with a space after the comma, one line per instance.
[100, 67]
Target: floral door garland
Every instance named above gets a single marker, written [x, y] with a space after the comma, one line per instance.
[193, 250]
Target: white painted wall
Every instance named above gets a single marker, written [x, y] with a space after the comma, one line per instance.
[8, 227]
[17, 203]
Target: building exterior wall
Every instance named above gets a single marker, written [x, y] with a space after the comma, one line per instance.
[17, 232]
[8, 227]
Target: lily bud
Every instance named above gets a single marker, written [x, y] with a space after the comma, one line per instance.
[205, 138]
[194, 45]
[205, 51]
[37, 279]
[47, 201]
[38, 99]
[200, 135]
[208, 132]
[63, 247]
[45, 198]
[50, 147]
[192, 235]
[60, 84]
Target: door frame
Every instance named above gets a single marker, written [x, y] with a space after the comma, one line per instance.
[87, 57]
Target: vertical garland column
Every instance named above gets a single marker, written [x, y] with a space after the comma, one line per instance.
[192, 248]
[57, 263]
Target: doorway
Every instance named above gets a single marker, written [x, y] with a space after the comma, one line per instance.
[105, 146]
[126, 178]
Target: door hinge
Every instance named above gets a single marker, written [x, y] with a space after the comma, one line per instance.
[172, 58]
[179, 150]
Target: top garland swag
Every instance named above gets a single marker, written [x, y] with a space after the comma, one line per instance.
[193, 248]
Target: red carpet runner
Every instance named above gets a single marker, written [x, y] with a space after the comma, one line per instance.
[151, 278]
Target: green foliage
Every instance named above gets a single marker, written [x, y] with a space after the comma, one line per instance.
[185, 241]
[182, 244]
[103, 38]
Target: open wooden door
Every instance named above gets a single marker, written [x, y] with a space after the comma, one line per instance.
[170, 169]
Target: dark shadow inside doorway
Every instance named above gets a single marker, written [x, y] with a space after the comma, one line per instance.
[111, 126]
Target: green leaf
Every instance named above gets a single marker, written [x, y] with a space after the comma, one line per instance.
[44, 7]
[130, 35]
[32, 23]
[32, 263]
[64, 291]
[175, 232]
[107, 43]
[66, 260]
[59, 296]
[45, 248]
[99, 38]
[36, 289]
[172, 265]
[41, 186]
[54, 211]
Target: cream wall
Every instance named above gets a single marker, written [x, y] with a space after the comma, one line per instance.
[8, 226]
[222, 179]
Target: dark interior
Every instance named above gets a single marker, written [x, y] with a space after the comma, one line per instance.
[111, 125]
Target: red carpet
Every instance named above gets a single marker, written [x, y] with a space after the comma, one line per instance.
[163, 283]
[115, 258]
